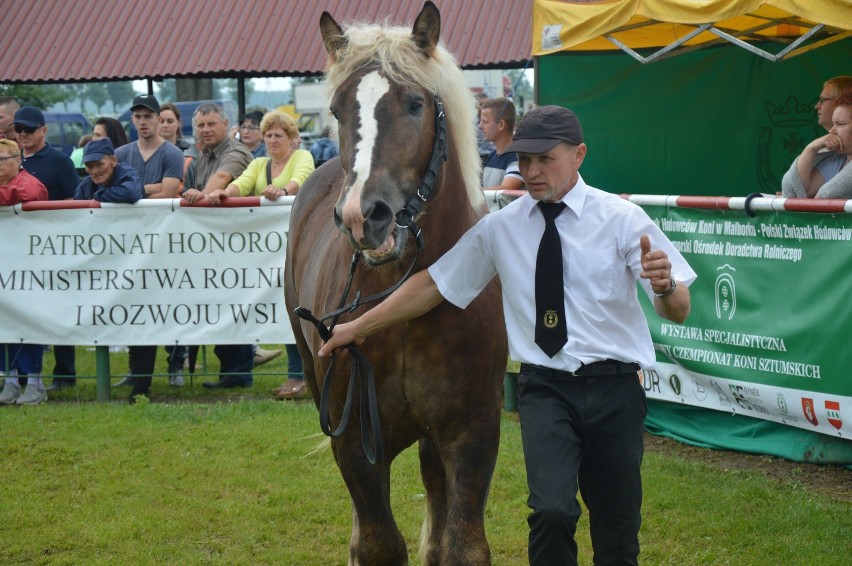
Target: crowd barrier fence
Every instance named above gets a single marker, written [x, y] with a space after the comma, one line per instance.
[766, 337]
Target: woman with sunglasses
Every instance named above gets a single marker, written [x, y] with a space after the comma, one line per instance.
[16, 186]
[250, 134]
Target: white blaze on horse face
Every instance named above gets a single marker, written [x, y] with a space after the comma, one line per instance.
[371, 89]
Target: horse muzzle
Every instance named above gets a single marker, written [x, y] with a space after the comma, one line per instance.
[378, 236]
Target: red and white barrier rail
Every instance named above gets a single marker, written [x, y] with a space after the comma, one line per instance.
[227, 202]
[754, 204]
[764, 203]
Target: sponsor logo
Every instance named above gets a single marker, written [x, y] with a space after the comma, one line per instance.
[740, 397]
[784, 409]
[832, 412]
[782, 405]
[698, 390]
[808, 410]
[674, 382]
[748, 398]
[724, 400]
[726, 293]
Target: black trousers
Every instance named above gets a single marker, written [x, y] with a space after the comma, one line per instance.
[142, 360]
[587, 432]
[65, 357]
[236, 362]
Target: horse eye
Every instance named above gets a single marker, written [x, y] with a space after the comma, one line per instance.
[334, 113]
[416, 107]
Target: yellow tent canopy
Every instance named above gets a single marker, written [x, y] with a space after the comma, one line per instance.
[672, 26]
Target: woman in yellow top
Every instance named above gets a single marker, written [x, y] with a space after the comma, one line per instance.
[288, 167]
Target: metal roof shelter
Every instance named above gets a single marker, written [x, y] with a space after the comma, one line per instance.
[91, 40]
[676, 26]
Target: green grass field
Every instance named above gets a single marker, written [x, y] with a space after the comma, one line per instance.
[200, 477]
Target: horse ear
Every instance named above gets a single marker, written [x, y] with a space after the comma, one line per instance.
[427, 28]
[332, 36]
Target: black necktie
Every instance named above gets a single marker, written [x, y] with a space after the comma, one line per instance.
[550, 330]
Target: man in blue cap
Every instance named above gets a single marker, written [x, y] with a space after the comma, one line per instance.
[47, 164]
[108, 180]
[56, 172]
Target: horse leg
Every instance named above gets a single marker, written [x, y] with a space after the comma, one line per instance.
[469, 461]
[375, 538]
[434, 480]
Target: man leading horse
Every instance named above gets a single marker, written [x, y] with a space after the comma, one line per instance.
[580, 341]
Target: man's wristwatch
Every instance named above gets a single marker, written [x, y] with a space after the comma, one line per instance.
[670, 289]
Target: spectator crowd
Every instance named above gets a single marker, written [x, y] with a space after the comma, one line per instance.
[262, 156]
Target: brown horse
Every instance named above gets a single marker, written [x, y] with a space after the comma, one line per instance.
[438, 378]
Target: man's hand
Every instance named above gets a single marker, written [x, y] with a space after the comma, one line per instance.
[416, 296]
[215, 197]
[342, 335]
[656, 266]
[193, 195]
[657, 269]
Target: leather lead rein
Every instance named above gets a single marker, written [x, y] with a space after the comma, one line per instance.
[362, 370]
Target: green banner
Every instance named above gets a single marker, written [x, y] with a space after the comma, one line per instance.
[771, 317]
[717, 121]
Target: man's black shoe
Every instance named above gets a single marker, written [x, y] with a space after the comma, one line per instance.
[225, 383]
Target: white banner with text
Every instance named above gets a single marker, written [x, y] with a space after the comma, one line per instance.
[134, 275]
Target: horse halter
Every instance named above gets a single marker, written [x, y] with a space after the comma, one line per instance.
[361, 370]
[405, 217]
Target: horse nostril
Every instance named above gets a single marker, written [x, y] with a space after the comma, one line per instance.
[379, 214]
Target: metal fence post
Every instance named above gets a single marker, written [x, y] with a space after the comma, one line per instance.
[102, 373]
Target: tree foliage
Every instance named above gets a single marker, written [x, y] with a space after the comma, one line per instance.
[97, 93]
[167, 90]
[40, 96]
[307, 79]
[121, 94]
[227, 88]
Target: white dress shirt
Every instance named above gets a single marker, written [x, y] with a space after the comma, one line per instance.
[600, 234]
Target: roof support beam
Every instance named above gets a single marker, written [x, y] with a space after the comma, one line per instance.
[660, 52]
[765, 54]
[796, 47]
[821, 43]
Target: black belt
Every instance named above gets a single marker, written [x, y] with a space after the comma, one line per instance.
[603, 367]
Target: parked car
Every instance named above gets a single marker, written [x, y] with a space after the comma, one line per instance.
[64, 129]
[186, 108]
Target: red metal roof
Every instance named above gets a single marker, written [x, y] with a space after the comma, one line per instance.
[96, 40]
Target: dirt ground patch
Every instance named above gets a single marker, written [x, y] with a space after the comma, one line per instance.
[833, 481]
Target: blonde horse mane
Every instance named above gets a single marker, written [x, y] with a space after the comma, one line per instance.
[403, 62]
